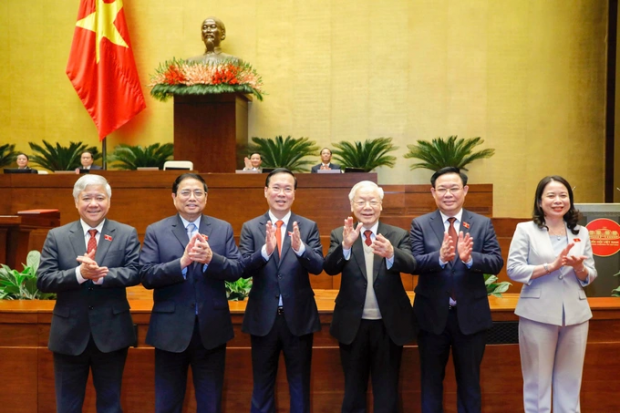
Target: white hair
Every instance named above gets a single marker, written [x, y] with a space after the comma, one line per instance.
[89, 180]
[365, 184]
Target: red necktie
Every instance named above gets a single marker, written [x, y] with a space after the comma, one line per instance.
[367, 234]
[92, 242]
[279, 224]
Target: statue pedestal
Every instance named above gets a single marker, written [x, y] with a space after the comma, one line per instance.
[209, 128]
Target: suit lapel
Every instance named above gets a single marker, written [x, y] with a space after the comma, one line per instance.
[78, 239]
[357, 253]
[107, 232]
[179, 231]
[286, 240]
[378, 260]
[205, 226]
[437, 226]
[466, 219]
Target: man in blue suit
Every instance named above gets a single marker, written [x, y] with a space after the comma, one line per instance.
[88, 263]
[451, 304]
[186, 258]
[279, 249]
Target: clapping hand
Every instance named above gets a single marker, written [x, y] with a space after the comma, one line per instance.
[89, 268]
[296, 237]
[465, 245]
[201, 251]
[382, 247]
[350, 234]
[446, 252]
[270, 238]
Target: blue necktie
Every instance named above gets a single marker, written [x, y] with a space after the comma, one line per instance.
[191, 228]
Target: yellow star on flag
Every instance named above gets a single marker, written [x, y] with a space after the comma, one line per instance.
[102, 23]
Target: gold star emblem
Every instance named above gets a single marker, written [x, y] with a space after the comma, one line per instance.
[102, 23]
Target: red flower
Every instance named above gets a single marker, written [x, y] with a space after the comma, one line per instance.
[173, 76]
[226, 75]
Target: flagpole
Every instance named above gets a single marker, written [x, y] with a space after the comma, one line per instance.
[104, 151]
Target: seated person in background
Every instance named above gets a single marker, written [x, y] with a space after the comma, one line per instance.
[22, 161]
[87, 162]
[326, 157]
[253, 163]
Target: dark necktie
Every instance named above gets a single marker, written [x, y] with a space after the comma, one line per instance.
[92, 242]
[279, 224]
[452, 233]
[367, 234]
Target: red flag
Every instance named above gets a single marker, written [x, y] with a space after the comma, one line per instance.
[101, 66]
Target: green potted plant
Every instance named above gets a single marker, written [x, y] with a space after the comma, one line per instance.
[493, 287]
[288, 153]
[7, 154]
[368, 155]
[131, 157]
[238, 290]
[15, 285]
[440, 153]
[61, 158]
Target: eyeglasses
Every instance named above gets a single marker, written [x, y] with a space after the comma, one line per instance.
[286, 189]
[361, 203]
[442, 191]
[197, 194]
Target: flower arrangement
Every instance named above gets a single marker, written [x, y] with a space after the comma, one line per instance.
[182, 77]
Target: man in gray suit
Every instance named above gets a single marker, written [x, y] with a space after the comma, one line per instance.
[88, 263]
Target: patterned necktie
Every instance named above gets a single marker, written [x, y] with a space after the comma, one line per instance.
[191, 228]
[367, 234]
[279, 224]
[92, 242]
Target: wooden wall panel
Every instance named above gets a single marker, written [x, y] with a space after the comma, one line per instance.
[26, 366]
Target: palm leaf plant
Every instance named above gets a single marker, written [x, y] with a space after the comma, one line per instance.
[288, 153]
[369, 155]
[61, 158]
[440, 153]
[131, 157]
[7, 154]
[15, 285]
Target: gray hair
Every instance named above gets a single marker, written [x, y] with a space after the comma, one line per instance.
[90, 180]
[365, 184]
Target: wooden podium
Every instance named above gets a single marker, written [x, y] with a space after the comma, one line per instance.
[15, 234]
[208, 129]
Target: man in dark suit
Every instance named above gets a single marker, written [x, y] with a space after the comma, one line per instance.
[87, 161]
[326, 158]
[373, 318]
[451, 304]
[280, 248]
[186, 258]
[88, 263]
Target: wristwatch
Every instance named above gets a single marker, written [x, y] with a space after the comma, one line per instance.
[546, 266]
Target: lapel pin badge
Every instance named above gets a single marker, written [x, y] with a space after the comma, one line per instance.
[107, 238]
[576, 240]
[466, 225]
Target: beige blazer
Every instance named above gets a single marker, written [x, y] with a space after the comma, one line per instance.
[546, 299]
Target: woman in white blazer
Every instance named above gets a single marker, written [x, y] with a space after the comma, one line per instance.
[552, 256]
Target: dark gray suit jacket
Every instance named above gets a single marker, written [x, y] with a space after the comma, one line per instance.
[316, 168]
[393, 301]
[287, 275]
[435, 284]
[175, 297]
[85, 309]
